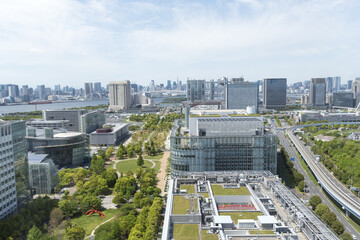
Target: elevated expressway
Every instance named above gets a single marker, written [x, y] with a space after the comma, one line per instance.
[328, 182]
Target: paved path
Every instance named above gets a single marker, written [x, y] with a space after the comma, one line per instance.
[92, 235]
[162, 172]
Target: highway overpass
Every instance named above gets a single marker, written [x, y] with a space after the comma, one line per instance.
[328, 182]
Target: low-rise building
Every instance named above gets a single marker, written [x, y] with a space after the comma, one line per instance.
[238, 205]
[110, 135]
[43, 173]
[311, 116]
[65, 148]
[54, 124]
[78, 120]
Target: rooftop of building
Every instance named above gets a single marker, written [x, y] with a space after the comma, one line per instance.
[119, 82]
[114, 128]
[237, 217]
[36, 158]
[47, 121]
[56, 133]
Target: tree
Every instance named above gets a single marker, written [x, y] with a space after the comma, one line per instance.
[74, 232]
[128, 195]
[140, 161]
[68, 207]
[315, 201]
[56, 217]
[119, 199]
[337, 227]
[120, 153]
[98, 165]
[137, 198]
[102, 153]
[152, 151]
[346, 236]
[301, 186]
[102, 187]
[110, 176]
[323, 126]
[89, 202]
[34, 234]
[109, 152]
[321, 209]
[298, 177]
[138, 148]
[130, 151]
[328, 218]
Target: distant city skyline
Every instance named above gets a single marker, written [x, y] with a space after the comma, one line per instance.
[71, 42]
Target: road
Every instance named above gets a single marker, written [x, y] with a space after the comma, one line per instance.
[311, 187]
[334, 187]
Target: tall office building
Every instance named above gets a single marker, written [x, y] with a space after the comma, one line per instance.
[355, 86]
[240, 95]
[274, 93]
[41, 92]
[12, 93]
[337, 83]
[88, 90]
[317, 92]
[119, 95]
[13, 166]
[97, 87]
[195, 90]
[349, 83]
[168, 85]
[329, 84]
[25, 93]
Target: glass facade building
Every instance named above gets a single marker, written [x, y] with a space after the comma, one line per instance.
[43, 173]
[66, 149]
[239, 95]
[21, 161]
[206, 151]
[275, 93]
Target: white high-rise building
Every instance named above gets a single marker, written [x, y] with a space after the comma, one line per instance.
[8, 201]
[119, 95]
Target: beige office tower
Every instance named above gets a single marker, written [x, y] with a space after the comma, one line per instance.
[119, 95]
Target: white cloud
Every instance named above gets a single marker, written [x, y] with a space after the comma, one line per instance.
[107, 40]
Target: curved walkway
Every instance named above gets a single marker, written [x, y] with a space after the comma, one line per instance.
[92, 235]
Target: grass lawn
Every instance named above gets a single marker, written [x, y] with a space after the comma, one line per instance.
[219, 190]
[186, 232]
[157, 166]
[255, 232]
[207, 236]
[180, 205]
[126, 165]
[190, 189]
[158, 157]
[244, 215]
[90, 222]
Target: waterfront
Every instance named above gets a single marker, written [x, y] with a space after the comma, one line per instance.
[51, 106]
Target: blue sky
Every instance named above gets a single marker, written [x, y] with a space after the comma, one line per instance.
[70, 42]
